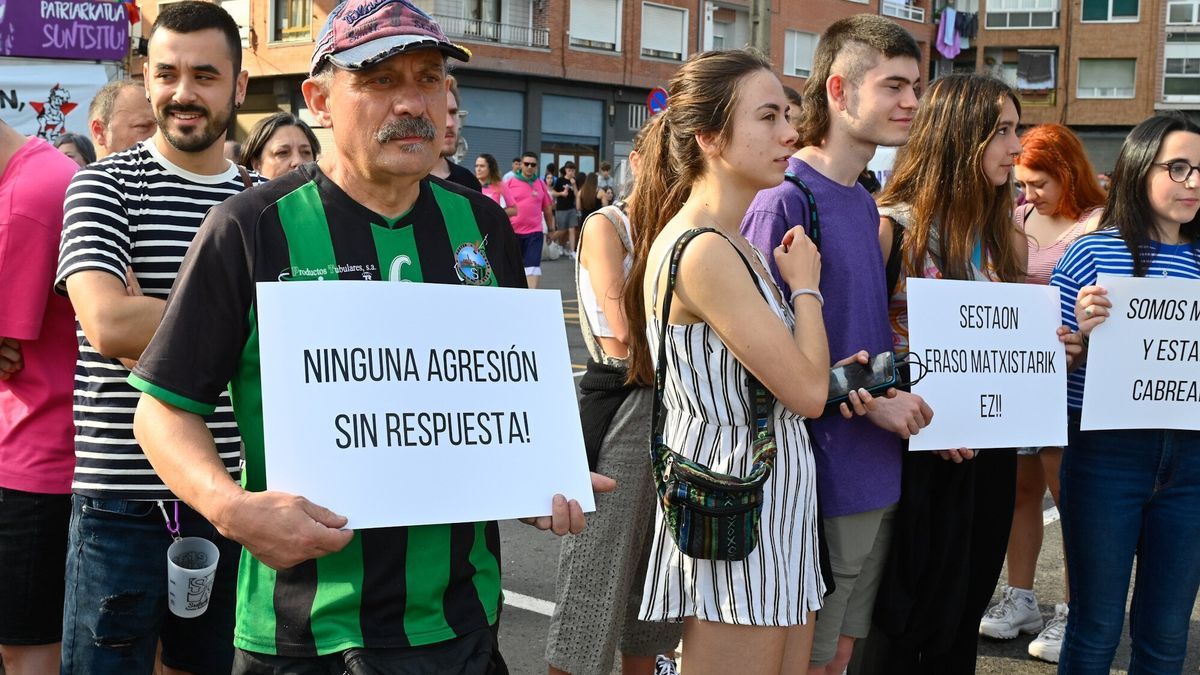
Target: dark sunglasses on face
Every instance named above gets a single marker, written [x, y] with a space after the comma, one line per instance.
[528, 163]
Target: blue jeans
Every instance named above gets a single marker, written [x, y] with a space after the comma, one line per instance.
[1127, 493]
[116, 593]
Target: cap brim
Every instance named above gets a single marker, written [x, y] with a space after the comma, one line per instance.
[370, 53]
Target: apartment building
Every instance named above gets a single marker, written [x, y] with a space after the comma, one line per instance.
[565, 78]
[1094, 65]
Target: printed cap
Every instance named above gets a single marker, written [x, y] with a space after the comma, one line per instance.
[360, 33]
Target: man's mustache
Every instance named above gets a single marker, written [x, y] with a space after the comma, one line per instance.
[184, 109]
[407, 127]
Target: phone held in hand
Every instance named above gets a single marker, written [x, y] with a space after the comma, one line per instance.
[876, 376]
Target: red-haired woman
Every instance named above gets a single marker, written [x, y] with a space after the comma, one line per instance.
[1062, 202]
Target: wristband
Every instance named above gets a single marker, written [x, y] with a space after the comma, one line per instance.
[807, 291]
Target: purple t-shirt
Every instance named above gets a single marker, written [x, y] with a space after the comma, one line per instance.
[858, 464]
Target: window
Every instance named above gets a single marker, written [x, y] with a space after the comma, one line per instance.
[1110, 10]
[596, 24]
[664, 32]
[1181, 72]
[730, 28]
[291, 20]
[902, 9]
[1105, 78]
[798, 53]
[1187, 11]
[1021, 14]
[1037, 77]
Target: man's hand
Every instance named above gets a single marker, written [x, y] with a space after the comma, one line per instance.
[282, 530]
[567, 516]
[904, 415]
[11, 361]
[861, 402]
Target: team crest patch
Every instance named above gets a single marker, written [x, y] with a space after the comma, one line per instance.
[471, 264]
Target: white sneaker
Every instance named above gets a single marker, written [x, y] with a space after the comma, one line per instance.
[1010, 616]
[1049, 642]
[552, 251]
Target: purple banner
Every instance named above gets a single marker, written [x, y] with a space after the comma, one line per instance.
[64, 29]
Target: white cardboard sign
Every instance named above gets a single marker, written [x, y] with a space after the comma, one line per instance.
[1143, 366]
[413, 404]
[996, 369]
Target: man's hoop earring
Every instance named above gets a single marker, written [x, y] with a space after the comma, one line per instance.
[237, 105]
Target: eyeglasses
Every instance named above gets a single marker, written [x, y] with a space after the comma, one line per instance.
[534, 164]
[1179, 170]
[462, 114]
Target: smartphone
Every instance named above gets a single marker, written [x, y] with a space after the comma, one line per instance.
[876, 376]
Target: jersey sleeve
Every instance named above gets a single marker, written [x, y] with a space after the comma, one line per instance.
[96, 232]
[196, 349]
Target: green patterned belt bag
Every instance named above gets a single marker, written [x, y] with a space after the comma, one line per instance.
[710, 515]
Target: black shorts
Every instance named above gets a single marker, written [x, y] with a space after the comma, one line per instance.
[476, 653]
[33, 557]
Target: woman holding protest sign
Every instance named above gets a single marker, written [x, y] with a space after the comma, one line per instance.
[709, 314]
[950, 195]
[601, 571]
[1132, 491]
[1063, 202]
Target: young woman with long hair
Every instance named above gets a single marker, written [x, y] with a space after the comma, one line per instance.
[1135, 492]
[951, 192]
[601, 571]
[487, 172]
[1063, 202]
[724, 137]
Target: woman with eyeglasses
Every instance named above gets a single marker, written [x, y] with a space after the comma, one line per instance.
[1135, 493]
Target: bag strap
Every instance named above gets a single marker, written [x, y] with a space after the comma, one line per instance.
[894, 263]
[245, 176]
[814, 219]
[762, 399]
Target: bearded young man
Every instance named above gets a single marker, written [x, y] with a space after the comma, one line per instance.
[129, 220]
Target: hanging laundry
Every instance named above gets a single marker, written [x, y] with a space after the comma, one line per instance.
[947, 39]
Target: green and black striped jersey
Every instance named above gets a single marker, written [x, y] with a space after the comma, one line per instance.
[391, 587]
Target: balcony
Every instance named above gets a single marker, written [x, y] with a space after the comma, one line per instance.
[902, 10]
[490, 31]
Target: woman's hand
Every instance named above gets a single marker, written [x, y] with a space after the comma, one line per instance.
[798, 260]
[958, 455]
[1073, 343]
[1091, 308]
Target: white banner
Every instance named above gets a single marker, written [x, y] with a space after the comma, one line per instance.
[996, 369]
[413, 404]
[46, 98]
[1143, 366]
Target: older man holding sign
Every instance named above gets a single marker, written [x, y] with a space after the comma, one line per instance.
[313, 596]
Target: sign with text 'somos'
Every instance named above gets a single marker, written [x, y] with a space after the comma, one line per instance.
[411, 404]
[1143, 363]
[996, 370]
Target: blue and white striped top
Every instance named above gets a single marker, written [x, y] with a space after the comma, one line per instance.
[1104, 252]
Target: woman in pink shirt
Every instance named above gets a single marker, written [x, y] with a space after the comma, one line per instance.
[488, 173]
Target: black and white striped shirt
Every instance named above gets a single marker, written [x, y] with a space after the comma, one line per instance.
[136, 209]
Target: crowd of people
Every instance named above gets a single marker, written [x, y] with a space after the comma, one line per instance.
[744, 253]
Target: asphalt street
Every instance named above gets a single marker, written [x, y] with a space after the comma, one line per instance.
[531, 562]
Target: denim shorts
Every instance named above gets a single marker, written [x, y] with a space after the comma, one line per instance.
[116, 598]
[33, 553]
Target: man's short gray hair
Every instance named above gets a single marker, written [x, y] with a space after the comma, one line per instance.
[106, 99]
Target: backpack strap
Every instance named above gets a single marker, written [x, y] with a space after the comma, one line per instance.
[814, 218]
[894, 262]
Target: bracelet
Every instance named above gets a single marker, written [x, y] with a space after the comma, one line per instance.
[807, 291]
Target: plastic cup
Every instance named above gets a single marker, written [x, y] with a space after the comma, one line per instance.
[191, 566]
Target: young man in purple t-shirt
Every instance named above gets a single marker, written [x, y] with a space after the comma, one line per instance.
[861, 95]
